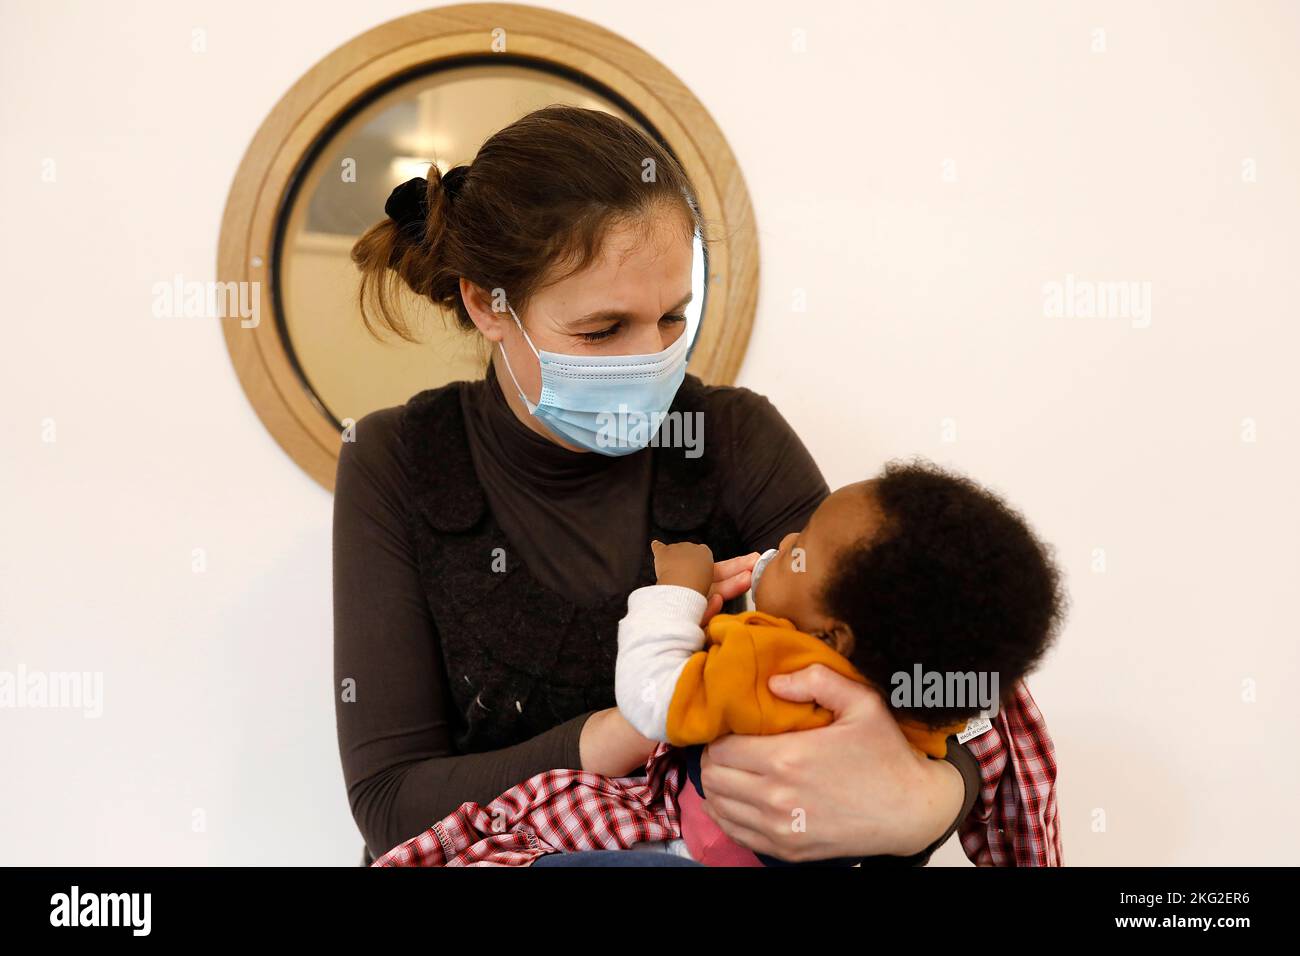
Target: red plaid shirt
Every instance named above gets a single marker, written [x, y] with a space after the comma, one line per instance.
[1013, 822]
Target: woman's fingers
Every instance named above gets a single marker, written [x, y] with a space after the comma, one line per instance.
[740, 804]
[731, 578]
[832, 690]
[734, 567]
[731, 587]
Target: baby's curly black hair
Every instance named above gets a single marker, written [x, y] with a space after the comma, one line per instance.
[954, 580]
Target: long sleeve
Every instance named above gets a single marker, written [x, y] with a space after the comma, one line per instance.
[392, 704]
[656, 639]
[1015, 821]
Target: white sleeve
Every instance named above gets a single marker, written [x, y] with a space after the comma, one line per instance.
[655, 640]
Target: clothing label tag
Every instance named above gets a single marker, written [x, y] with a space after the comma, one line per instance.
[974, 727]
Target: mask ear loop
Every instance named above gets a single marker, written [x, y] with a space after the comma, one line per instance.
[529, 404]
[521, 329]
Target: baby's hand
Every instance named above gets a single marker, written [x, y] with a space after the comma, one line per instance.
[686, 564]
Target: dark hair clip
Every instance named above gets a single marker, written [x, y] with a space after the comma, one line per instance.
[409, 202]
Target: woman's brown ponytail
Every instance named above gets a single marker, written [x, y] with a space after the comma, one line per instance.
[392, 254]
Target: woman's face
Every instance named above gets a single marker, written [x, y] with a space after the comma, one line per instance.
[630, 300]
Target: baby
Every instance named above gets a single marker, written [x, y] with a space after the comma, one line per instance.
[916, 577]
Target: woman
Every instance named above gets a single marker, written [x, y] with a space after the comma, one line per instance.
[486, 536]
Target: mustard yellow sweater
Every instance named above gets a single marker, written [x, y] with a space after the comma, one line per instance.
[723, 688]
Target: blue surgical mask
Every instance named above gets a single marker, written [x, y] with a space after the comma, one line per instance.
[611, 404]
[760, 566]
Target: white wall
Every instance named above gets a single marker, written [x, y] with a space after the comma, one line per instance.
[924, 304]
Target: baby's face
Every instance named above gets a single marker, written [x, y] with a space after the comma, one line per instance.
[794, 578]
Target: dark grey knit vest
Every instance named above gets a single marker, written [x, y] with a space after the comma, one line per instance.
[520, 658]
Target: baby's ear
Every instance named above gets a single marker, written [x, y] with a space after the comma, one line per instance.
[841, 638]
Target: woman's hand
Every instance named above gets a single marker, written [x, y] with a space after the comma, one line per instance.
[852, 788]
[611, 746]
[730, 578]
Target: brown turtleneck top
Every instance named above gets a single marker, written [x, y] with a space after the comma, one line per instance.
[578, 521]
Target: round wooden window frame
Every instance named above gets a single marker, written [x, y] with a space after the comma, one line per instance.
[352, 72]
